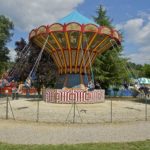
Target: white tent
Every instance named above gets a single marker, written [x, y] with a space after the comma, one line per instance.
[143, 81]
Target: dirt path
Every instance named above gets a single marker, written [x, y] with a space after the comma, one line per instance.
[20, 132]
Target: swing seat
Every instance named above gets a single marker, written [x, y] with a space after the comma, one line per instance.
[28, 83]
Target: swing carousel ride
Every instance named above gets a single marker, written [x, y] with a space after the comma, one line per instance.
[74, 42]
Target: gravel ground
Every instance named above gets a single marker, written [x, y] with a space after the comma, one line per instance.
[21, 132]
[122, 110]
[95, 127]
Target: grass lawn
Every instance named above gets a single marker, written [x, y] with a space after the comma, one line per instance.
[144, 145]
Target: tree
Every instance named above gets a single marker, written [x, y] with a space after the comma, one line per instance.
[146, 70]
[101, 18]
[19, 47]
[135, 70]
[6, 27]
[44, 72]
[109, 68]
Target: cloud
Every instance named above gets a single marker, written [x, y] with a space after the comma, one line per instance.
[136, 30]
[12, 53]
[28, 14]
[142, 56]
[137, 33]
[144, 15]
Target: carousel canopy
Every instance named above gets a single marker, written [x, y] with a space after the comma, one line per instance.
[76, 17]
[74, 42]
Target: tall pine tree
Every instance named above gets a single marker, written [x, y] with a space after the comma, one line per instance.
[101, 18]
[109, 68]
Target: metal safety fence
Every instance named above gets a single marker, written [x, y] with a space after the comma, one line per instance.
[114, 109]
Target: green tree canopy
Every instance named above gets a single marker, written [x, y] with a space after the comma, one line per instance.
[101, 18]
[146, 70]
[6, 27]
[109, 68]
[135, 70]
[45, 72]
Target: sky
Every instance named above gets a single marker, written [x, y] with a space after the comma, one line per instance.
[132, 17]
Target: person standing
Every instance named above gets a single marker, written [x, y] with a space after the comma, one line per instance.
[17, 92]
[14, 89]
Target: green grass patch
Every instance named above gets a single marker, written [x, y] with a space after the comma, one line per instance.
[143, 145]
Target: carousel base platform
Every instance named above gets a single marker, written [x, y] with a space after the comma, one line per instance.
[69, 96]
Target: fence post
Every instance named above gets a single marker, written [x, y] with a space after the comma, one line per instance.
[74, 111]
[111, 111]
[145, 108]
[6, 104]
[37, 119]
[0, 92]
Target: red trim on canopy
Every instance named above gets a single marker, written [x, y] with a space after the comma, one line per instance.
[113, 33]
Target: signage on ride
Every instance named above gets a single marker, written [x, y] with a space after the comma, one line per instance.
[71, 95]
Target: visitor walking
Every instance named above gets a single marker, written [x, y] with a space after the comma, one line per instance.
[14, 90]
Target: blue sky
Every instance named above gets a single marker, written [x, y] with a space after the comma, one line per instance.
[132, 17]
